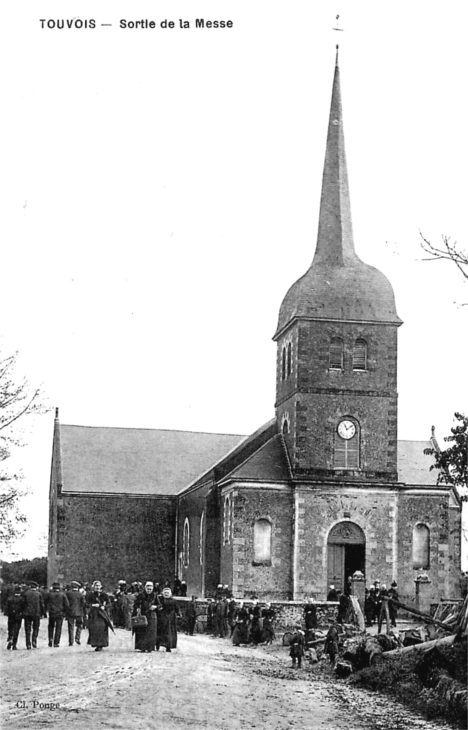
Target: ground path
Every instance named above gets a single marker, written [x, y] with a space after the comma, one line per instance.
[206, 683]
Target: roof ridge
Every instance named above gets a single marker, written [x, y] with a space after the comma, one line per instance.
[159, 430]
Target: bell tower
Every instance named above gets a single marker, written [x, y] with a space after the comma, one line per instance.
[336, 385]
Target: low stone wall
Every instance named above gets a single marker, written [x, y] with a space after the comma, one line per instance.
[288, 613]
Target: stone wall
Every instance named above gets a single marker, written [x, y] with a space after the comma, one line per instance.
[316, 397]
[268, 579]
[288, 613]
[433, 511]
[113, 538]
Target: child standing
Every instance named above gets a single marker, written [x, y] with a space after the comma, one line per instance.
[297, 642]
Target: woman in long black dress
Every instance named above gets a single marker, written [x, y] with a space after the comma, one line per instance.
[146, 604]
[167, 621]
[240, 634]
[98, 620]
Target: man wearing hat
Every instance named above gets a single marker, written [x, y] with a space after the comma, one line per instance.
[76, 612]
[33, 610]
[14, 607]
[57, 607]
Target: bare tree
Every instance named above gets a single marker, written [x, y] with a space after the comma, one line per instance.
[17, 400]
[448, 251]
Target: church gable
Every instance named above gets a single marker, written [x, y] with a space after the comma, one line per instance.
[269, 463]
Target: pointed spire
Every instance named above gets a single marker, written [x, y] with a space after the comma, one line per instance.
[335, 246]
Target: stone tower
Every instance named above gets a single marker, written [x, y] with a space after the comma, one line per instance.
[336, 395]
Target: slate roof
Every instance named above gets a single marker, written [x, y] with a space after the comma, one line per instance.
[238, 455]
[137, 461]
[164, 462]
[414, 465]
[269, 463]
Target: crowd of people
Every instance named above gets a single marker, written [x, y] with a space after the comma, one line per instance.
[146, 610]
[377, 604]
[151, 613]
[230, 618]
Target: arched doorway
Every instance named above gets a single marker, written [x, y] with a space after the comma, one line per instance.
[346, 553]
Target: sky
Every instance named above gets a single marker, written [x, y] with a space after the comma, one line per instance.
[161, 190]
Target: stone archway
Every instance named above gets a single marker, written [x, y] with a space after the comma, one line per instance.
[346, 549]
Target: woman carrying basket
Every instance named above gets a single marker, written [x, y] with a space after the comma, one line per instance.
[144, 620]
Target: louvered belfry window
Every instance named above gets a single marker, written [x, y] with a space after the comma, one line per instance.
[336, 354]
[360, 355]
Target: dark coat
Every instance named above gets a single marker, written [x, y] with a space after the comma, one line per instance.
[297, 644]
[97, 625]
[167, 623]
[57, 604]
[145, 636]
[310, 616]
[33, 604]
[241, 627]
[77, 604]
[14, 606]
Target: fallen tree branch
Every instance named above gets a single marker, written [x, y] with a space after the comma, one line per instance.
[425, 616]
[425, 646]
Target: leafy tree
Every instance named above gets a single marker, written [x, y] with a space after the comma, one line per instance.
[452, 462]
[22, 571]
[17, 400]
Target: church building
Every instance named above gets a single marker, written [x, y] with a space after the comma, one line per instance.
[322, 490]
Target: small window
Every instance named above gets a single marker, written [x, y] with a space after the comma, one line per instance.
[186, 543]
[336, 354]
[202, 537]
[227, 519]
[262, 541]
[283, 364]
[421, 546]
[285, 426]
[289, 363]
[360, 355]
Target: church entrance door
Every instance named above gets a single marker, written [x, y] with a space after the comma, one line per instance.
[346, 553]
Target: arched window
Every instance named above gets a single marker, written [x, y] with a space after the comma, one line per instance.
[346, 447]
[262, 541]
[227, 519]
[285, 425]
[336, 354]
[186, 543]
[289, 363]
[421, 546]
[202, 537]
[283, 363]
[360, 355]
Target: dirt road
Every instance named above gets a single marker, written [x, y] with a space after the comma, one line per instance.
[206, 683]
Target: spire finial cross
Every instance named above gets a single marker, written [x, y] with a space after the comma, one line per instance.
[337, 25]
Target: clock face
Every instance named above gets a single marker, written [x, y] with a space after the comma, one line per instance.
[346, 429]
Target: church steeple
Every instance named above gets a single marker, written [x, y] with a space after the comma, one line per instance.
[335, 245]
[336, 367]
[338, 286]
